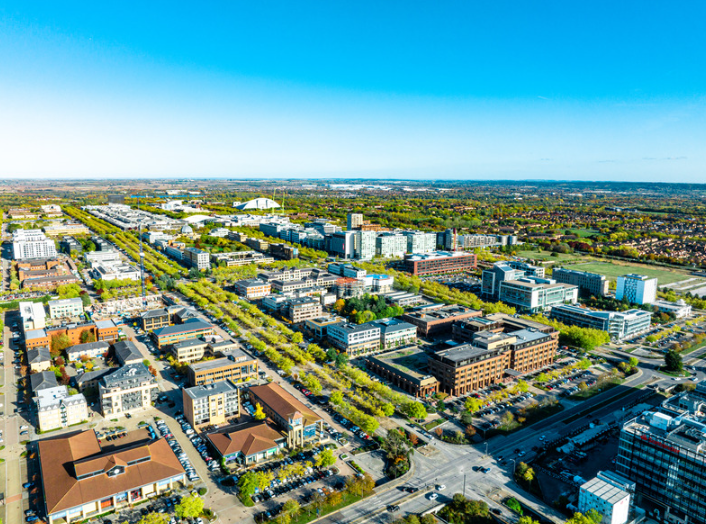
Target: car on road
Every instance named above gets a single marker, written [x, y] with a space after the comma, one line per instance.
[440, 487]
[433, 496]
[393, 508]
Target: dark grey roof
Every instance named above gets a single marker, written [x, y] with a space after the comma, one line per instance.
[43, 380]
[126, 351]
[127, 375]
[154, 313]
[93, 375]
[193, 325]
[38, 355]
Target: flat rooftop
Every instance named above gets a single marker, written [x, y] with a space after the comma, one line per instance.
[207, 390]
[409, 361]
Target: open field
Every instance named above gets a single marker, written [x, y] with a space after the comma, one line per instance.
[583, 233]
[612, 270]
[549, 256]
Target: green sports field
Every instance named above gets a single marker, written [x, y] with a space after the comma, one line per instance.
[613, 270]
[547, 255]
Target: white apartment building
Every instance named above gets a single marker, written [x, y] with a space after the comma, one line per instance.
[365, 245]
[354, 221]
[94, 257]
[65, 308]
[32, 243]
[396, 333]
[420, 242]
[57, 409]
[32, 315]
[636, 289]
[391, 245]
[355, 340]
[115, 271]
[679, 309]
[128, 389]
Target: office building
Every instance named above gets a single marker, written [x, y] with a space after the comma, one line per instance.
[252, 288]
[32, 243]
[679, 309]
[506, 271]
[98, 257]
[619, 324]
[155, 319]
[636, 289]
[89, 350]
[589, 284]
[666, 458]
[191, 350]
[449, 240]
[237, 366]
[346, 270]
[116, 270]
[380, 284]
[65, 308]
[342, 243]
[466, 368]
[436, 319]
[68, 228]
[198, 258]
[248, 443]
[318, 327]
[395, 333]
[102, 330]
[82, 477]
[534, 295]
[211, 404]
[300, 310]
[607, 497]
[350, 287]
[69, 244]
[406, 369]
[355, 339]
[56, 409]
[403, 299]
[240, 258]
[301, 425]
[32, 316]
[391, 245]
[354, 221]
[128, 389]
[419, 242]
[439, 262]
[190, 329]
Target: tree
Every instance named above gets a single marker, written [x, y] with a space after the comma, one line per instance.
[588, 518]
[417, 411]
[190, 507]
[291, 508]
[428, 519]
[87, 336]
[59, 343]
[154, 518]
[297, 338]
[633, 362]
[325, 459]
[514, 505]
[248, 483]
[473, 404]
[470, 431]
[85, 299]
[528, 475]
[259, 413]
[523, 386]
[331, 354]
[673, 361]
[336, 398]
[341, 360]
[527, 520]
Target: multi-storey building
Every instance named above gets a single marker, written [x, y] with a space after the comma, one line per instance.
[300, 310]
[619, 324]
[114, 271]
[252, 288]
[354, 221]
[240, 258]
[365, 244]
[211, 404]
[81, 480]
[32, 316]
[32, 243]
[534, 295]
[69, 244]
[589, 284]
[342, 243]
[155, 319]
[492, 278]
[65, 308]
[346, 270]
[355, 339]
[237, 366]
[248, 443]
[666, 458]
[301, 424]
[197, 258]
[439, 262]
[39, 359]
[128, 389]
[395, 333]
[190, 329]
[350, 287]
[680, 309]
[67, 228]
[57, 409]
[419, 242]
[126, 352]
[607, 495]
[404, 299]
[436, 319]
[318, 327]
[390, 245]
[191, 350]
[102, 330]
[636, 289]
[406, 369]
[466, 368]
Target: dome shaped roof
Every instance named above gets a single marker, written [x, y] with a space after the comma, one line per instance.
[186, 230]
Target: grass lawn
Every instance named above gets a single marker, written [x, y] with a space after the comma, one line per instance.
[431, 425]
[594, 390]
[694, 348]
[547, 255]
[583, 233]
[612, 270]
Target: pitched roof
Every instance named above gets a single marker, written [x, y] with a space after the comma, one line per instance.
[127, 353]
[248, 440]
[65, 458]
[186, 327]
[43, 380]
[88, 346]
[282, 403]
[38, 355]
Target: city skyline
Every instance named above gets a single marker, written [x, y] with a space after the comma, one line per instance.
[460, 91]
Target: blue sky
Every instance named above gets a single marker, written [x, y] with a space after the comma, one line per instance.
[461, 90]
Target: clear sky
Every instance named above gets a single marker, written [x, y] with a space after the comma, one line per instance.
[463, 90]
